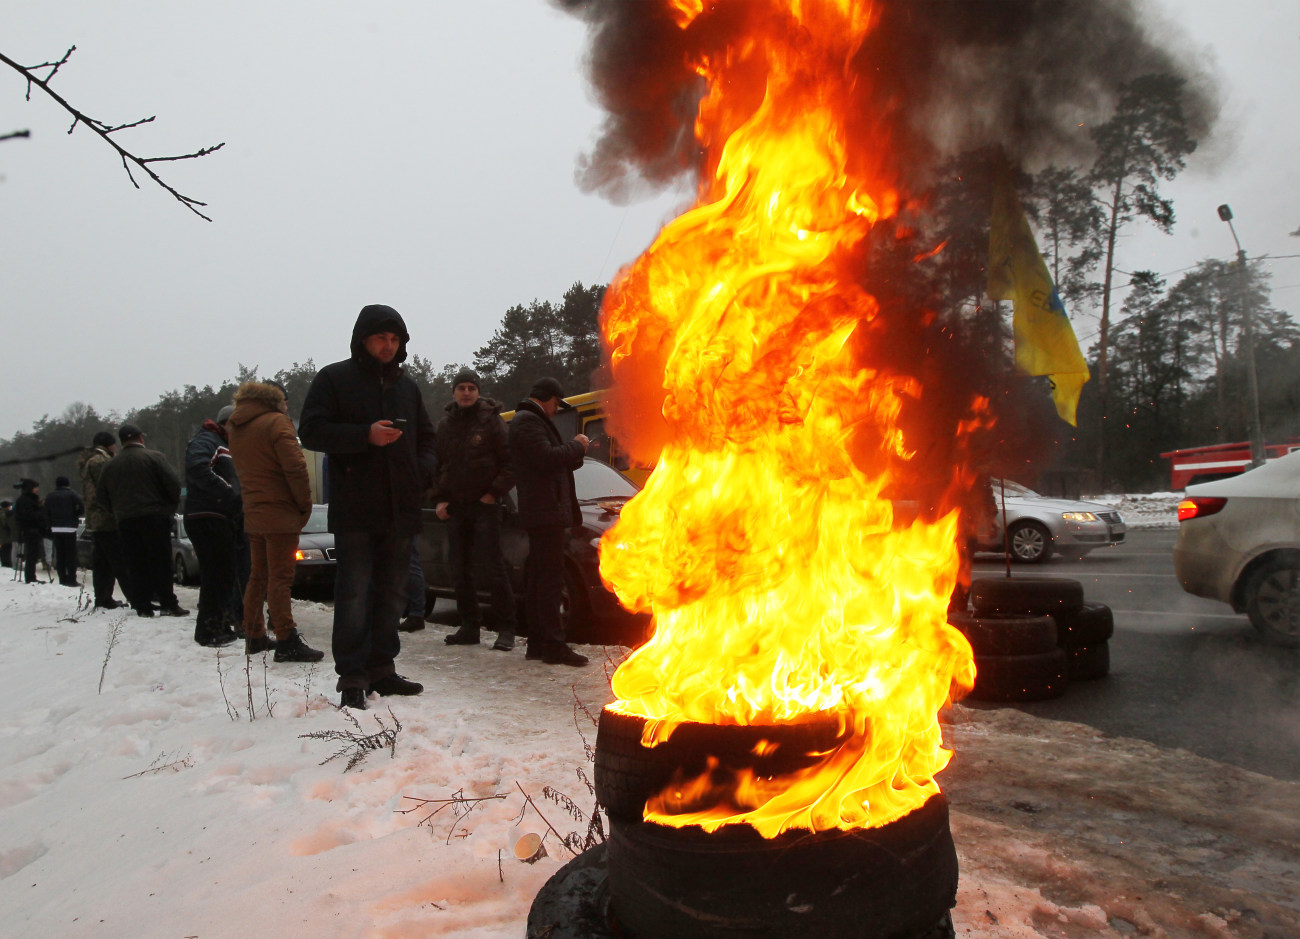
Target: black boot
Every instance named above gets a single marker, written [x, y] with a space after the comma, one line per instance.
[354, 698]
[467, 635]
[254, 645]
[292, 649]
[505, 640]
[411, 624]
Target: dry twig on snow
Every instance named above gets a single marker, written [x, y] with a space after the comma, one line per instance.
[358, 744]
[106, 130]
[157, 766]
[114, 630]
[459, 803]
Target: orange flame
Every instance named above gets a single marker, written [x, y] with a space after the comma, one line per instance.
[781, 583]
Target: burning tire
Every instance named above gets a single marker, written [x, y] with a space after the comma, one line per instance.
[894, 882]
[1021, 677]
[1089, 662]
[1092, 623]
[1006, 635]
[1039, 596]
[627, 773]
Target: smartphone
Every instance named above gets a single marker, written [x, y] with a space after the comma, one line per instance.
[399, 423]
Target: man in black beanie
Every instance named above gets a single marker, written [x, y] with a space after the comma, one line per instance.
[107, 564]
[473, 477]
[369, 418]
[30, 515]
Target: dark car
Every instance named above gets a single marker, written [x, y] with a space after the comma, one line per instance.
[592, 613]
[316, 562]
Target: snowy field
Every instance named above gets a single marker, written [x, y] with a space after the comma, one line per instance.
[158, 790]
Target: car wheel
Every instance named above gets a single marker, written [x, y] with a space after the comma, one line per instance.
[178, 570]
[1031, 542]
[1273, 599]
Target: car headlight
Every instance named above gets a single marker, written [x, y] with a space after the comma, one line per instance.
[1078, 516]
[309, 554]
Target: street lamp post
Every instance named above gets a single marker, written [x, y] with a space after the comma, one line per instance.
[1248, 327]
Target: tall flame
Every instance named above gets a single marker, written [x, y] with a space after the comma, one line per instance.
[782, 584]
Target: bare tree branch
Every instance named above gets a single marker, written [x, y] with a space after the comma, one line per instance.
[30, 73]
[16, 133]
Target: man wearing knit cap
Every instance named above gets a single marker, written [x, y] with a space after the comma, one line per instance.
[212, 506]
[473, 477]
[107, 565]
[142, 491]
[29, 512]
[548, 506]
[369, 419]
[63, 509]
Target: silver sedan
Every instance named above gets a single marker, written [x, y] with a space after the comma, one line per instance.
[1038, 526]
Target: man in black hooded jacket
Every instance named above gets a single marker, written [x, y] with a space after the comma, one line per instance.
[369, 419]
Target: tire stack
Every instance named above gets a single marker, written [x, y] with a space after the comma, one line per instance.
[1085, 637]
[1024, 632]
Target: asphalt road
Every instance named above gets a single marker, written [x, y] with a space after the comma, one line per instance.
[1185, 672]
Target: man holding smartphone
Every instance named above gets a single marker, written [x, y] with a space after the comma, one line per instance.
[369, 418]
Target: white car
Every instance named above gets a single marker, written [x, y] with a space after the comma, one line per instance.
[1239, 542]
[1040, 525]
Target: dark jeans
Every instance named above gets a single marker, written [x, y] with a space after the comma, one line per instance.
[147, 547]
[544, 583]
[65, 557]
[476, 535]
[214, 543]
[33, 552]
[369, 597]
[107, 565]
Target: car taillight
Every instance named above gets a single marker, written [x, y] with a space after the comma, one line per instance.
[1199, 507]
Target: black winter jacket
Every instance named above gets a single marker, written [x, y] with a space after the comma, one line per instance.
[64, 508]
[543, 465]
[211, 484]
[371, 489]
[138, 483]
[473, 453]
[29, 515]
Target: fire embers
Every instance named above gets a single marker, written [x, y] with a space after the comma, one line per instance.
[897, 881]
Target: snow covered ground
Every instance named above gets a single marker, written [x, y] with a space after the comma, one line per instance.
[151, 792]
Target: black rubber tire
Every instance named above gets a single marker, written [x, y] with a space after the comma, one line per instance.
[1092, 624]
[1090, 662]
[627, 774]
[179, 573]
[1030, 542]
[575, 609]
[1272, 597]
[1021, 677]
[1006, 635]
[1037, 596]
[874, 883]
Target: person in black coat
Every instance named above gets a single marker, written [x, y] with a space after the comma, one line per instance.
[369, 418]
[211, 510]
[32, 525]
[63, 510]
[548, 505]
[473, 477]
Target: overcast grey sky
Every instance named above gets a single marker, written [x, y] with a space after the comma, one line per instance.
[414, 153]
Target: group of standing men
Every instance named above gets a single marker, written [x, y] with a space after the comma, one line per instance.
[384, 454]
[246, 482]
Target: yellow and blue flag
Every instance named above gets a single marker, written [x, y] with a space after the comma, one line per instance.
[1045, 340]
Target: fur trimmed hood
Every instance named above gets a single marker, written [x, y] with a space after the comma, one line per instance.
[253, 399]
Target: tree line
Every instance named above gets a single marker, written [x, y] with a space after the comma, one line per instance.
[1168, 366]
[560, 339]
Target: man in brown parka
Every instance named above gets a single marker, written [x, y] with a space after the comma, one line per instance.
[277, 503]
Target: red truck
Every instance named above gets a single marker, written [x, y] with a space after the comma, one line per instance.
[1218, 461]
